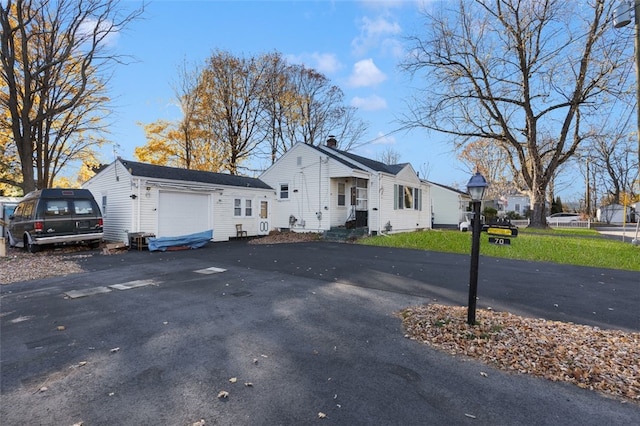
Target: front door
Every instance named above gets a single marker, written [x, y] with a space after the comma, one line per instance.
[361, 202]
[264, 224]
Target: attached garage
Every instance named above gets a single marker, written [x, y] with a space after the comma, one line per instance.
[172, 202]
[183, 213]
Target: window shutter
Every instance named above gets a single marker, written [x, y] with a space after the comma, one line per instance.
[395, 197]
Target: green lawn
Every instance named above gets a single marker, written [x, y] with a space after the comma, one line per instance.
[574, 247]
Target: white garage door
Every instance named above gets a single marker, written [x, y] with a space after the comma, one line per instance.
[183, 213]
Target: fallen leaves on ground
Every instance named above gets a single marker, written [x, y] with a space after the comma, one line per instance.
[19, 265]
[607, 361]
[277, 237]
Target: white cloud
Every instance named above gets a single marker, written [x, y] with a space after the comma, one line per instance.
[103, 29]
[365, 73]
[370, 103]
[373, 33]
[383, 139]
[326, 63]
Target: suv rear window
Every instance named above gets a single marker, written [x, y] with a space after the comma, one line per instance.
[57, 208]
[83, 207]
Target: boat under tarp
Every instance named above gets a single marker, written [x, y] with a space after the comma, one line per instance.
[191, 241]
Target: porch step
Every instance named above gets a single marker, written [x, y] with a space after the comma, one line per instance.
[342, 234]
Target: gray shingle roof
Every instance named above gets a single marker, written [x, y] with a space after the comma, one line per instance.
[164, 172]
[450, 188]
[357, 161]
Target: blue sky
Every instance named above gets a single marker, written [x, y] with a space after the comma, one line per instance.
[356, 44]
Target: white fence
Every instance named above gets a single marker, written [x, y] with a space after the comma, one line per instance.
[556, 224]
[576, 224]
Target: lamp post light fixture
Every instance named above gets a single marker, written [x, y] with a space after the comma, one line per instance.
[476, 187]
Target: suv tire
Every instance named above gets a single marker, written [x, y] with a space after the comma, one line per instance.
[29, 246]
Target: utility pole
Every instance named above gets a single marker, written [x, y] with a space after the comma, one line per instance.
[587, 199]
[621, 19]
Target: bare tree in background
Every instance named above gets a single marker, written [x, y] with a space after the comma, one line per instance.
[189, 142]
[316, 110]
[55, 60]
[531, 75]
[614, 160]
[389, 156]
[232, 105]
[485, 156]
[249, 108]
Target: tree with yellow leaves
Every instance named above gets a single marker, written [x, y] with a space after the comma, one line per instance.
[237, 109]
[52, 90]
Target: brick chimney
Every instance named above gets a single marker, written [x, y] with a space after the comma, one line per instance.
[332, 142]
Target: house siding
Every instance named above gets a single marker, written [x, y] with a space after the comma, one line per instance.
[402, 220]
[311, 191]
[115, 183]
[313, 176]
[448, 206]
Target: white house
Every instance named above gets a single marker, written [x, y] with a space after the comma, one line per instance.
[516, 202]
[449, 205]
[617, 213]
[321, 187]
[167, 201]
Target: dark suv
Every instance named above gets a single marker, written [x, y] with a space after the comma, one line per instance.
[55, 216]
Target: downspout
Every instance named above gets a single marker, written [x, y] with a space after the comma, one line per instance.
[319, 213]
[138, 202]
[379, 202]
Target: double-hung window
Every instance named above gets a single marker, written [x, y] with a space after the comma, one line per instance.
[406, 197]
[341, 194]
[284, 191]
[242, 207]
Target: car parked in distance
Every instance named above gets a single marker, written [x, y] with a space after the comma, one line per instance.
[563, 217]
[55, 217]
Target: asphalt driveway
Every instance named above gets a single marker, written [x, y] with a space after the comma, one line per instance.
[303, 328]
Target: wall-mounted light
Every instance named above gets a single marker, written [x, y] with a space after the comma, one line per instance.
[133, 196]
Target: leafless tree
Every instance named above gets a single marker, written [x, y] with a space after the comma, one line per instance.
[55, 62]
[316, 110]
[389, 156]
[232, 105]
[531, 75]
[614, 160]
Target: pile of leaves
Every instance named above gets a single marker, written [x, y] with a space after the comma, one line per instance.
[607, 361]
[279, 237]
[19, 265]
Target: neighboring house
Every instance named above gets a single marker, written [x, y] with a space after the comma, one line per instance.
[615, 213]
[321, 187]
[167, 201]
[517, 203]
[448, 205]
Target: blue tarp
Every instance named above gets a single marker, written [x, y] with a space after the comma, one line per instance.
[192, 241]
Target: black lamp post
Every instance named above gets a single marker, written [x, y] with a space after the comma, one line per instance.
[476, 186]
